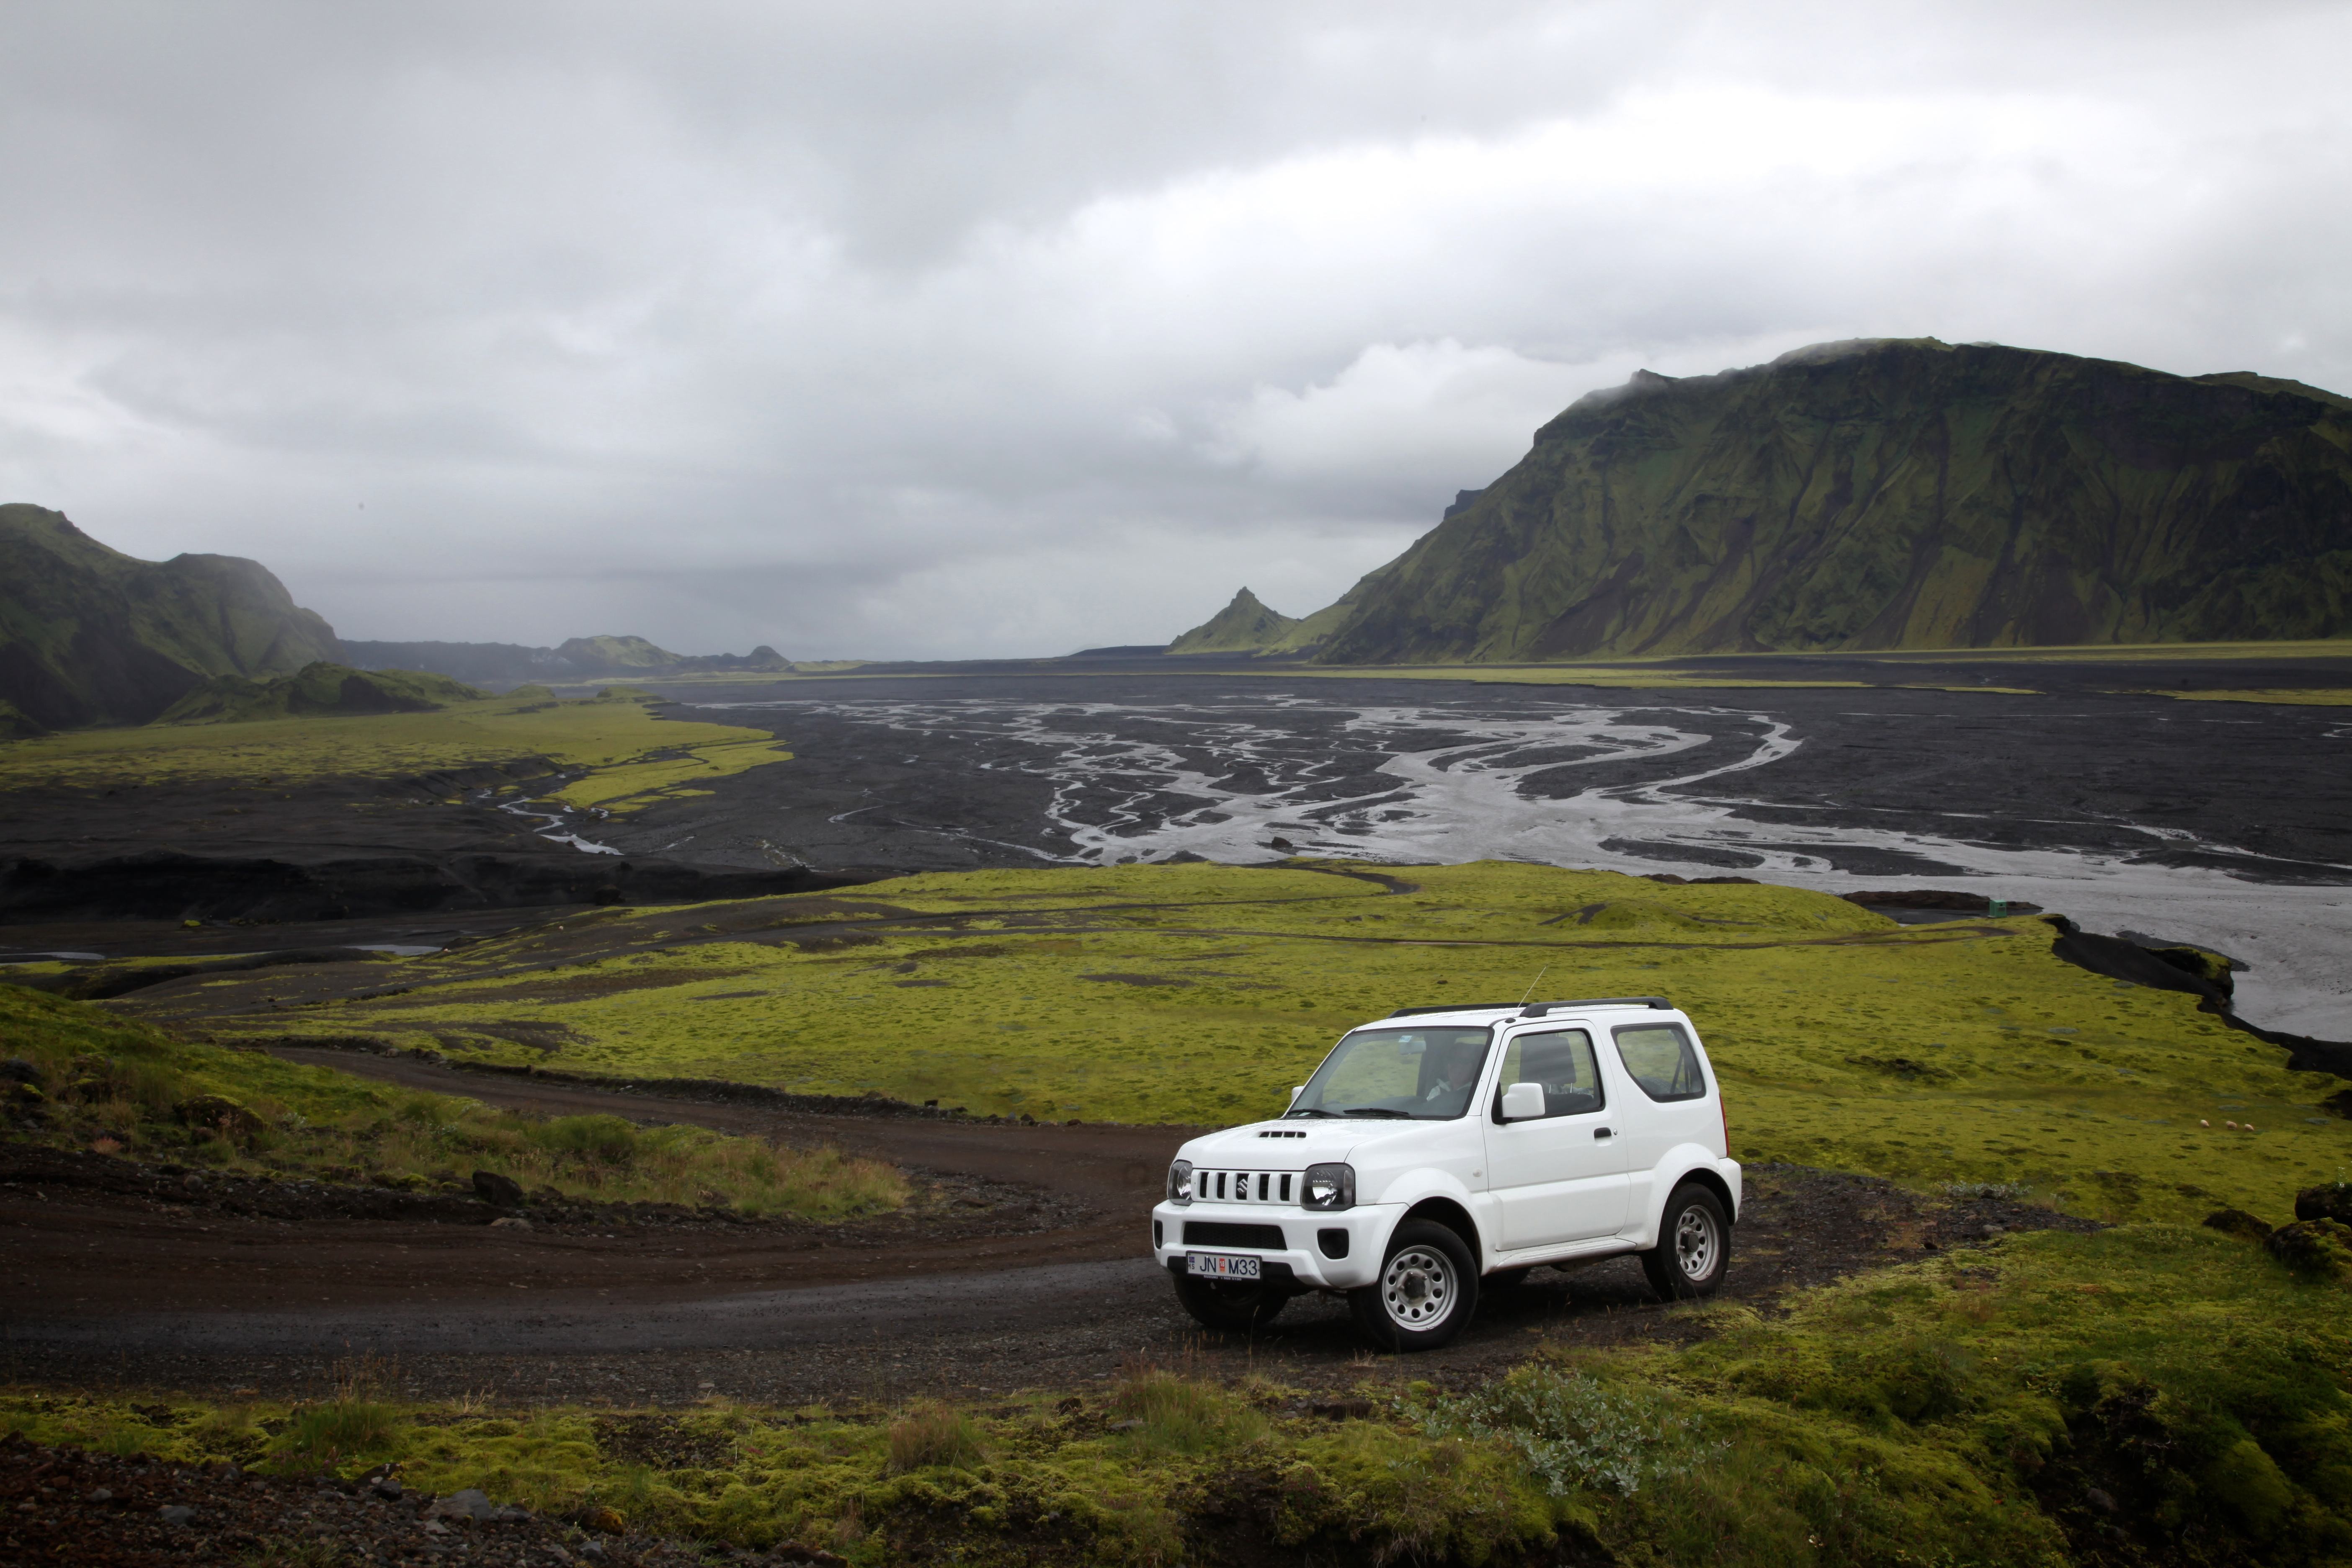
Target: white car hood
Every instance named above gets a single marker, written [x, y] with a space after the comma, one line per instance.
[1243, 1147]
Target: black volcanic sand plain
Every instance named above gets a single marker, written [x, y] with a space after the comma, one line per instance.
[2074, 766]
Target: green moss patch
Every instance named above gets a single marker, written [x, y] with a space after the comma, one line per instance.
[596, 733]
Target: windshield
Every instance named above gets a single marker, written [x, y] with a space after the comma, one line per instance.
[1423, 1073]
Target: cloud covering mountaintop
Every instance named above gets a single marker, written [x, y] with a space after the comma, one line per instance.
[921, 330]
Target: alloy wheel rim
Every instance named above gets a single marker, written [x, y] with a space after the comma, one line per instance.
[1694, 1243]
[1417, 1288]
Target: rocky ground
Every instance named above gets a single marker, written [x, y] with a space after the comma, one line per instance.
[80, 1509]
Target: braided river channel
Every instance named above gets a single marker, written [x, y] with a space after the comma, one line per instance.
[2226, 825]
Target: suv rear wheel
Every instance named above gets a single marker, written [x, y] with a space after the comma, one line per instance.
[1426, 1292]
[1230, 1306]
[1693, 1246]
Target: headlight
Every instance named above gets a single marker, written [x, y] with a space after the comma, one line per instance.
[1180, 1182]
[1328, 1187]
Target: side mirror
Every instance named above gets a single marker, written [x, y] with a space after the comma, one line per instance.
[1523, 1102]
[1296, 1090]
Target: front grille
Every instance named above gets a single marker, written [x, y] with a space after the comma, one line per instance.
[1244, 1186]
[1221, 1232]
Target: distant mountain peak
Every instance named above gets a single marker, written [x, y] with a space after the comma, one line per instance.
[1245, 625]
[90, 636]
[628, 653]
[1886, 493]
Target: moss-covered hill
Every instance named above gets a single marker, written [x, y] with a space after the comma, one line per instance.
[317, 689]
[90, 636]
[1245, 624]
[1889, 494]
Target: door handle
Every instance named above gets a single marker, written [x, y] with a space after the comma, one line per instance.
[1603, 1132]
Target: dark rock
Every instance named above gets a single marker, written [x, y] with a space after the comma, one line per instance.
[2099, 1500]
[18, 1070]
[499, 1192]
[2333, 1201]
[175, 1513]
[220, 1114]
[2238, 1223]
[2320, 1246]
[795, 1552]
[1922, 899]
[469, 1504]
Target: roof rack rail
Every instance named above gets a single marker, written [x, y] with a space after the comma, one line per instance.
[1456, 1008]
[1538, 1009]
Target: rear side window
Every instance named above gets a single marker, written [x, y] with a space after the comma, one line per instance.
[1660, 1058]
[1559, 1059]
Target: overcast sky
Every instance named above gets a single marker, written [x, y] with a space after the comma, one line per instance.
[973, 329]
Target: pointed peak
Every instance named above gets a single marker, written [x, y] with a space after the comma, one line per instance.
[1244, 625]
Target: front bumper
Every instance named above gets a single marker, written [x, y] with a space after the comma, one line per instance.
[1305, 1250]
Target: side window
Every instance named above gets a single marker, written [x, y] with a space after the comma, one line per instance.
[1660, 1058]
[1561, 1061]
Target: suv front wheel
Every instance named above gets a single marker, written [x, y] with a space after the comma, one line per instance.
[1427, 1289]
[1693, 1246]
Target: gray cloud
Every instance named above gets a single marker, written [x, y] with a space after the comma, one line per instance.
[938, 330]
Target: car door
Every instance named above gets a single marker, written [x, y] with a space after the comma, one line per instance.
[1557, 1177]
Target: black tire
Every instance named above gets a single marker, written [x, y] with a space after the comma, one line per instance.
[1694, 1247]
[1230, 1306]
[1427, 1289]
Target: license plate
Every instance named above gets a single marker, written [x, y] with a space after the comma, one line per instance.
[1221, 1266]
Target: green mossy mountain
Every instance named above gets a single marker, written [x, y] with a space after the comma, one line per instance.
[1888, 494]
[90, 636]
[317, 689]
[579, 658]
[612, 653]
[1244, 626]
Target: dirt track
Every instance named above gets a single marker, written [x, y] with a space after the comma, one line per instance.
[1050, 1285]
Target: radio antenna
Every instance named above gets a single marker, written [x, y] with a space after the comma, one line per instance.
[1533, 983]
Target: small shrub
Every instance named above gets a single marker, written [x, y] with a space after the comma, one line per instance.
[324, 1437]
[1577, 1431]
[934, 1437]
[604, 1140]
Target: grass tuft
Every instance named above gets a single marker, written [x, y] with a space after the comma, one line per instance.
[935, 1437]
[1163, 1411]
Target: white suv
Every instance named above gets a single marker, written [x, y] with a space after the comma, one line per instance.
[1442, 1146]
